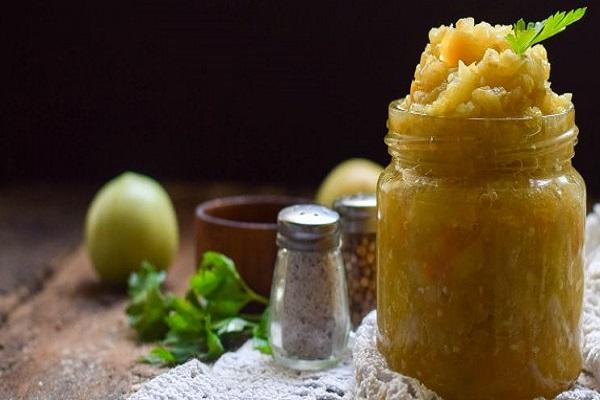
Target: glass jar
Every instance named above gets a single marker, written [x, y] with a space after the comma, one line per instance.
[480, 235]
[309, 321]
[358, 214]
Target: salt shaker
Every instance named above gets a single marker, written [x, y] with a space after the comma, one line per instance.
[309, 319]
[359, 225]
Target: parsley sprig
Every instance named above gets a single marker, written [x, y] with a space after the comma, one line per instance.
[525, 35]
[203, 324]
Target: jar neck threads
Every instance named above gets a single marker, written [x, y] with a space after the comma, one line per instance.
[448, 146]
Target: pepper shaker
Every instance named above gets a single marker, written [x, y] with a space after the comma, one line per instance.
[309, 319]
[359, 247]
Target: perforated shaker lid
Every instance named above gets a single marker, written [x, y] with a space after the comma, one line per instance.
[358, 212]
[308, 227]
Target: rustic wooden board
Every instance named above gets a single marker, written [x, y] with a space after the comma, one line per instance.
[36, 224]
[63, 335]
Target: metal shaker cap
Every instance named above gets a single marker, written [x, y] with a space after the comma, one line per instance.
[308, 227]
[358, 212]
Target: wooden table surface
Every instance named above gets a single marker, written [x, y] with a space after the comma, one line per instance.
[63, 335]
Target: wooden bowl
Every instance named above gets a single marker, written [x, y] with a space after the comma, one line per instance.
[244, 228]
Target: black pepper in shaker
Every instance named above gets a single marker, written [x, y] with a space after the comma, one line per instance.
[359, 246]
[309, 318]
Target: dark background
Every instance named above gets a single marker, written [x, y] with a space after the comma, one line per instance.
[253, 91]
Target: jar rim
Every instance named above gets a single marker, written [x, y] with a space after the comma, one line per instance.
[396, 106]
[470, 146]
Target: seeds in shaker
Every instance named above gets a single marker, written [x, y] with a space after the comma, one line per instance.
[361, 274]
[358, 213]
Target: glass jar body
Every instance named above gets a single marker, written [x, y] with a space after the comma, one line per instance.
[480, 278]
[309, 320]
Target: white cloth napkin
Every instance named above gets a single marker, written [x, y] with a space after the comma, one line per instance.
[248, 375]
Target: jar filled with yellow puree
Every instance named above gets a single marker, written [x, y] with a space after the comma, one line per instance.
[481, 221]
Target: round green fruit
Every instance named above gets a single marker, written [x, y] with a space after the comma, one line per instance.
[357, 175]
[131, 219]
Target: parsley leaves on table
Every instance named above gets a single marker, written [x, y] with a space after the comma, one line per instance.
[525, 35]
[261, 338]
[203, 324]
[148, 307]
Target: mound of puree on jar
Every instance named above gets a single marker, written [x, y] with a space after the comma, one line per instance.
[471, 71]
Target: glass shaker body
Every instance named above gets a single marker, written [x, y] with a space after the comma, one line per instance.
[309, 319]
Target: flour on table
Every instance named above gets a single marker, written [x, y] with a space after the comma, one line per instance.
[248, 375]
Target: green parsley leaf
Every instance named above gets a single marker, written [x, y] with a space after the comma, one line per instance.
[148, 308]
[185, 318]
[525, 35]
[159, 355]
[233, 325]
[261, 334]
[182, 347]
[147, 277]
[221, 287]
[213, 343]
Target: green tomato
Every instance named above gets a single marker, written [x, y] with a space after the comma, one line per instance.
[356, 175]
[131, 219]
